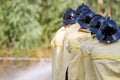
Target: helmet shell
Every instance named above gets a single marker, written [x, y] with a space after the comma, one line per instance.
[95, 23]
[69, 16]
[109, 31]
[81, 8]
[85, 17]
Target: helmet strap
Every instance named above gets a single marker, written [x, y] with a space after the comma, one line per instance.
[67, 25]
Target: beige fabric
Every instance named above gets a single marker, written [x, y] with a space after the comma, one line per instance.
[85, 49]
[76, 68]
[56, 45]
[65, 52]
[72, 58]
[106, 60]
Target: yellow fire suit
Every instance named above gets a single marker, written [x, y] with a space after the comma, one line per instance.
[85, 49]
[73, 68]
[106, 60]
[56, 45]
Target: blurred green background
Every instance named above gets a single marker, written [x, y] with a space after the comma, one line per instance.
[27, 26]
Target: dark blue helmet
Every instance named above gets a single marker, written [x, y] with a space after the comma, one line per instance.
[69, 17]
[95, 23]
[109, 31]
[81, 7]
[85, 17]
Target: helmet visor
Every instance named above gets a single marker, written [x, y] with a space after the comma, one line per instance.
[68, 22]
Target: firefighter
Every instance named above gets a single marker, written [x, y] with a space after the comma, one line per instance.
[105, 53]
[57, 41]
[93, 27]
[74, 36]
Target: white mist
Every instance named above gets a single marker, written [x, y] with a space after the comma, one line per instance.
[40, 71]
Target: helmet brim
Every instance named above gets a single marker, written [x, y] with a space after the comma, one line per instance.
[93, 30]
[83, 25]
[103, 38]
[68, 22]
[75, 17]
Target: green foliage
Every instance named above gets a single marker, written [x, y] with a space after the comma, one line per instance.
[51, 16]
[19, 24]
[107, 6]
[26, 24]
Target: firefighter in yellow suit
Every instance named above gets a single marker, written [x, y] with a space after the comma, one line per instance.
[73, 68]
[56, 45]
[57, 42]
[105, 53]
[85, 47]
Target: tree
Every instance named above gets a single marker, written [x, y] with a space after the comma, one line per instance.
[19, 24]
